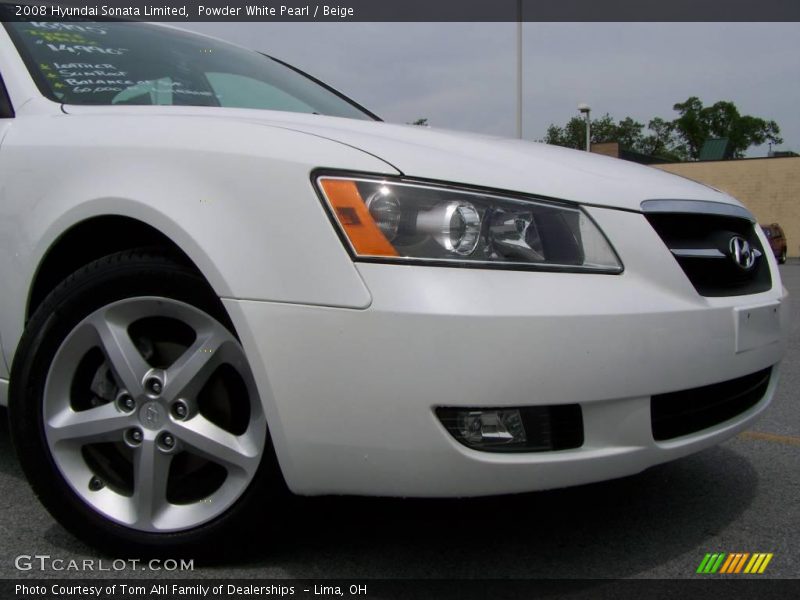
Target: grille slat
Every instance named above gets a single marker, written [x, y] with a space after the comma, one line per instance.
[675, 414]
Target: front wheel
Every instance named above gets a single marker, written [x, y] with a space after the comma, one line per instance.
[134, 412]
[782, 257]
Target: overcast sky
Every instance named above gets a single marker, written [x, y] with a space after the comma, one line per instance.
[462, 75]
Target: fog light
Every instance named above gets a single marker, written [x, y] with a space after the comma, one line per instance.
[520, 429]
[491, 427]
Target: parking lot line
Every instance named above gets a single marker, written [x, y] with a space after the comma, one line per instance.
[770, 437]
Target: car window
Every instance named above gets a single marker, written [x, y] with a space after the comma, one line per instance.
[240, 91]
[113, 63]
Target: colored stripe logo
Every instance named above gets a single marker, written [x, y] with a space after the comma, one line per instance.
[734, 562]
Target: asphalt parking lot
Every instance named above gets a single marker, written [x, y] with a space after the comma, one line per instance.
[743, 496]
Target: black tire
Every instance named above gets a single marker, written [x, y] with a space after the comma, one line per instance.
[121, 277]
[782, 257]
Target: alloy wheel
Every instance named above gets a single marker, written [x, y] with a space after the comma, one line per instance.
[151, 414]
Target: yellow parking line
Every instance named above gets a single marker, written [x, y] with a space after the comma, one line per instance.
[770, 437]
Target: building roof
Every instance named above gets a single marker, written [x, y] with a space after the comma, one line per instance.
[716, 149]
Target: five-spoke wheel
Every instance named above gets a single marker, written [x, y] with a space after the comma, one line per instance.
[133, 397]
[152, 415]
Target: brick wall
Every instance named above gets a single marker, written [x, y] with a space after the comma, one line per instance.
[769, 187]
[606, 149]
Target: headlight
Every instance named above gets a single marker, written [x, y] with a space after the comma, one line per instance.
[388, 220]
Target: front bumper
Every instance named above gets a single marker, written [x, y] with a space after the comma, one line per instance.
[350, 394]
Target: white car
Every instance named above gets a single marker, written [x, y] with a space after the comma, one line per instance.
[222, 279]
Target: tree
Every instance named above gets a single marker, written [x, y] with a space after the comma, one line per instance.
[628, 133]
[662, 141]
[697, 123]
[573, 134]
[680, 139]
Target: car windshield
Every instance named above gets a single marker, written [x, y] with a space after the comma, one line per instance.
[113, 63]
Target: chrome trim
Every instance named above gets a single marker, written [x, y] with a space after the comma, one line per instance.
[743, 254]
[700, 207]
[697, 252]
[3, 392]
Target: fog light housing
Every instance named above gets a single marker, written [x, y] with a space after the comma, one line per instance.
[515, 429]
[491, 427]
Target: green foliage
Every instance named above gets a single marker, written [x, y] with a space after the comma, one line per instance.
[697, 123]
[680, 139]
[573, 135]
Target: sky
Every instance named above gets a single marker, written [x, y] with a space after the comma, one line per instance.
[463, 75]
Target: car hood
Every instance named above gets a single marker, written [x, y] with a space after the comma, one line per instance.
[471, 159]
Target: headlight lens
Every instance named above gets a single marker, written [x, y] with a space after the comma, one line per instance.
[398, 221]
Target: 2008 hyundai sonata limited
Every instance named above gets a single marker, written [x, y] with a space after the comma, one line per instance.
[221, 278]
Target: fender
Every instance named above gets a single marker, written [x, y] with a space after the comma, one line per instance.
[205, 183]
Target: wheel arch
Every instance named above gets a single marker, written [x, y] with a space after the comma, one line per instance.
[88, 240]
[83, 233]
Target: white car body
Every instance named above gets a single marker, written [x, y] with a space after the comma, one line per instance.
[352, 358]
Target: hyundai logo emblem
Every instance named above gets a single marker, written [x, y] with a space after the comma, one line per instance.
[151, 415]
[742, 253]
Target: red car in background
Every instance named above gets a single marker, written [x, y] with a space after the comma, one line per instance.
[777, 240]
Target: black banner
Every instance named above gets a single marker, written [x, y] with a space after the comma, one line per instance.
[408, 10]
[732, 588]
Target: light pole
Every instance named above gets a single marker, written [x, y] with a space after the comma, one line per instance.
[586, 111]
